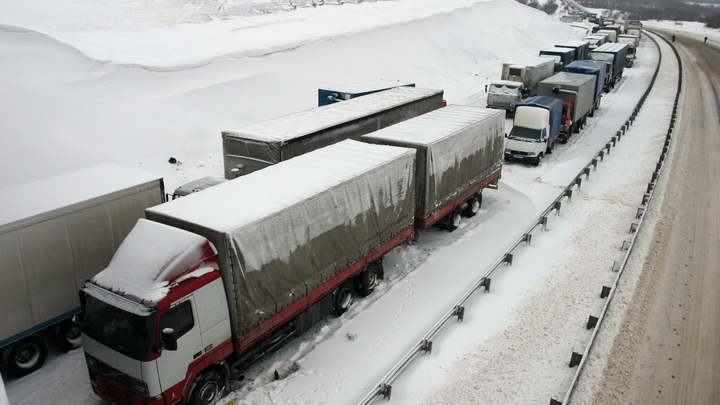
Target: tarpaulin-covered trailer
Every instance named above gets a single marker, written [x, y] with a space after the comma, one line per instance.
[459, 152]
[56, 233]
[344, 92]
[578, 89]
[260, 145]
[581, 48]
[284, 232]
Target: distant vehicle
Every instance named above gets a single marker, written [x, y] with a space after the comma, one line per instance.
[577, 93]
[257, 146]
[56, 233]
[334, 94]
[519, 79]
[612, 34]
[632, 43]
[582, 49]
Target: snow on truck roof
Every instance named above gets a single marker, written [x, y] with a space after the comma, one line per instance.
[279, 186]
[436, 125]
[373, 85]
[530, 61]
[28, 200]
[299, 124]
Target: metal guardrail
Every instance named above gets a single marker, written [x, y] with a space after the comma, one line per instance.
[384, 386]
[609, 292]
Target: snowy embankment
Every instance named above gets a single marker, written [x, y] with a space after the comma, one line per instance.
[69, 110]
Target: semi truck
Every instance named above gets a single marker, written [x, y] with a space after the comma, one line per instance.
[619, 55]
[612, 34]
[209, 283]
[577, 94]
[256, 146]
[632, 42]
[334, 94]
[564, 56]
[581, 49]
[536, 128]
[598, 69]
[459, 153]
[519, 80]
[54, 234]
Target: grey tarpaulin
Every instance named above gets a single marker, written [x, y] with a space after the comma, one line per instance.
[284, 230]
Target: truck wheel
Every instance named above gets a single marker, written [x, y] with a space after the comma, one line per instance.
[473, 206]
[537, 160]
[68, 336]
[25, 356]
[207, 388]
[343, 298]
[368, 278]
[453, 220]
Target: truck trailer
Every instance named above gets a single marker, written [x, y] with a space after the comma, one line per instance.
[334, 94]
[459, 153]
[256, 146]
[214, 281]
[577, 93]
[581, 48]
[632, 42]
[564, 56]
[536, 128]
[595, 68]
[56, 233]
[619, 54]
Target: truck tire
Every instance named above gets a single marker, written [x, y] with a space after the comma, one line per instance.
[453, 220]
[25, 356]
[343, 298]
[68, 336]
[207, 388]
[537, 160]
[368, 279]
[473, 205]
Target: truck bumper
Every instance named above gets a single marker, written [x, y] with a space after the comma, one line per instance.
[519, 156]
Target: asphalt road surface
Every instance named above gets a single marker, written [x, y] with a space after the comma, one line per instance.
[668, 349]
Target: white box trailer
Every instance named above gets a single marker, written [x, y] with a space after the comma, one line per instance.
[56, 233]
[266, 143]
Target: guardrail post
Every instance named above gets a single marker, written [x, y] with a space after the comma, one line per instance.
[587, 172]
[619, 134]
[578, 181]
[625, 245]
[485, 282]
[568, 194]
[508, 259]
[555, 402]
[385, 390]
[426, 346]
[616, 266]
[460, 312]
[645, 199]
[633, 227]
[527, 238]
[575, 359]
[543, 222]
[614, 141]
[595, 163]
[607, 146]
[557, 206]
[592, 322]
[602, 154]
[605, 292]
[640, 212]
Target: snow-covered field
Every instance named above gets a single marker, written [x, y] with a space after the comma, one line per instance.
[134, 83]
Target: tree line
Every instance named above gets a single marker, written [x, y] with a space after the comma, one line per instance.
[673, 10]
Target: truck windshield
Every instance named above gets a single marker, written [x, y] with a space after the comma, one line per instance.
[525, 133]
[503, 89]
[122, 331]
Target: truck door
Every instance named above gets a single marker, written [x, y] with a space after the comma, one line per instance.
[173, 364]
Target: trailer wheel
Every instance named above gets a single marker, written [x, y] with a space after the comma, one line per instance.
[453, 220]
[473, 206]
[368, 278]
[343, 298]
[25, 356]
[537, 160]
[68, 336]
[207, 388]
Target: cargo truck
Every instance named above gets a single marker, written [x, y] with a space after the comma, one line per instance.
[536, 128]
[581, 49]
[459, 153]
[618, 53]
[632, 43]
[334, 94]
[214, 281]
[519, 80]
[564, 55]
[591, 67]
[256, 146]
[56, 233]
[577, 94]
[612, 34]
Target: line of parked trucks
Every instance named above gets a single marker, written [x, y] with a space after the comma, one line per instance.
[552, 95]
[179, 296]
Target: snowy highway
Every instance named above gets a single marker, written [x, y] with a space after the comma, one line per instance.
[514, 344]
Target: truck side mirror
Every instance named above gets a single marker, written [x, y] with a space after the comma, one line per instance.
[505, 135]
[168, 339]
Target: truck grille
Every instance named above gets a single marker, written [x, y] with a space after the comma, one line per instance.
[117, 384]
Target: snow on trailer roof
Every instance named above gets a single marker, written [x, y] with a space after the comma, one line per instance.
[372, 85]
[530, 61]
[278, 186]
[299, 124]
[434, 126]
[28, 200]
[610, 47]
[568, 78]
[557, 49]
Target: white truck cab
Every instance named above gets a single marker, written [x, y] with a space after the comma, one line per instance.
[528, 139]
[504, 94]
